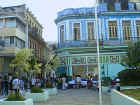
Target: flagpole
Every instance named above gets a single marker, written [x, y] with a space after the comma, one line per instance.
[98, 55]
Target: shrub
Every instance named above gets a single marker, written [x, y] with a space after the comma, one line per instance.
[36, 89]
[129, 77]
[15, 97]
[49, 85]
[69, 78]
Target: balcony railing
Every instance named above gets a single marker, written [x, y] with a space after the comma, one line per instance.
[85, 43]
[79, 43]
[33, 32]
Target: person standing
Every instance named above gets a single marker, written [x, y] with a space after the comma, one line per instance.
[21, 86]
[5, 86]
[33, 82]
[15, 84]
[0, 86]
[63, 82]
[78, 80]
[117, 81]
[11, 86]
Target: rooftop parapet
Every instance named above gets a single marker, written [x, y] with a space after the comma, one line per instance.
[90, 11]
[76, 11]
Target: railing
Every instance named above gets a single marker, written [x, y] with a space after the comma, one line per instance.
[76, 11]
[79, 43]
[85, 43]
[33, 32]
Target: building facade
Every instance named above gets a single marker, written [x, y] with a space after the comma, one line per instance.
[16, 32]
[35, 39]
[117, 28]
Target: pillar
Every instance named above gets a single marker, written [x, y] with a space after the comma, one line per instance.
[70, 70]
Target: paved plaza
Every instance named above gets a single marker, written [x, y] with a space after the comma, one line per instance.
[77, 97]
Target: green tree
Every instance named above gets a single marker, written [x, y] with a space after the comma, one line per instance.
[52, 64]
[132, 58]
[35, 67]
[20, 63]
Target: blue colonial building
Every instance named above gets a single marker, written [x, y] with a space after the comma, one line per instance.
[119, 26]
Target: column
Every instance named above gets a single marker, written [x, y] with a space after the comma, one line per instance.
[83, 30]
[133, 30]
[121, 29]
[87, 70]
[70, 70]
[70, 31]
[67, 70]
[67, 31]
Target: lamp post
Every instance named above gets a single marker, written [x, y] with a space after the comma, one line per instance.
[98, 55]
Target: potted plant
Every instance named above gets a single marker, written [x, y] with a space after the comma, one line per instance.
[51, 67]
[16, 99]
[51, 89]
[20, 65]
[37, 94]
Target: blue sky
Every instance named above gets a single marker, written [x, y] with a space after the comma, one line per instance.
[46, 11]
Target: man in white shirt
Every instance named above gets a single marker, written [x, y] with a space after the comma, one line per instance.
[78, 80]
[33, 82]
[15, 84]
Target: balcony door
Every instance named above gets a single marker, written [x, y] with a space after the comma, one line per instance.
[76, 31]
[126, 29]
[90, 30]
[113, 30]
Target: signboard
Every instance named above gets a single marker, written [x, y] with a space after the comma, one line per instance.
[114, 59]
[91, 60]
[78, 60]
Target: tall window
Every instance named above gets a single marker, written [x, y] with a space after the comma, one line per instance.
[113, 30]
[126, 29]
[138, 28]
[20, 26]
[111, 5]
[90, 29]
[10, 22]
[11, 40]
[76, 31]
[62, 33]
[124, 4]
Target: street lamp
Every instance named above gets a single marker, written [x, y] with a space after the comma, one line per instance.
[98, 55]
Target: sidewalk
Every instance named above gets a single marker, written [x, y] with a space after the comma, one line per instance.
[81, 96]
[129, 87]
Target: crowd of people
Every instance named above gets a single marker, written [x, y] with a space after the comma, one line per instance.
[10, 84]
[15, 84]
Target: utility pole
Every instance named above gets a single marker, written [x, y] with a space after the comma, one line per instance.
[99, 69]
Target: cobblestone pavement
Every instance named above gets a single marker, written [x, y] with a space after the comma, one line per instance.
[77, 97]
